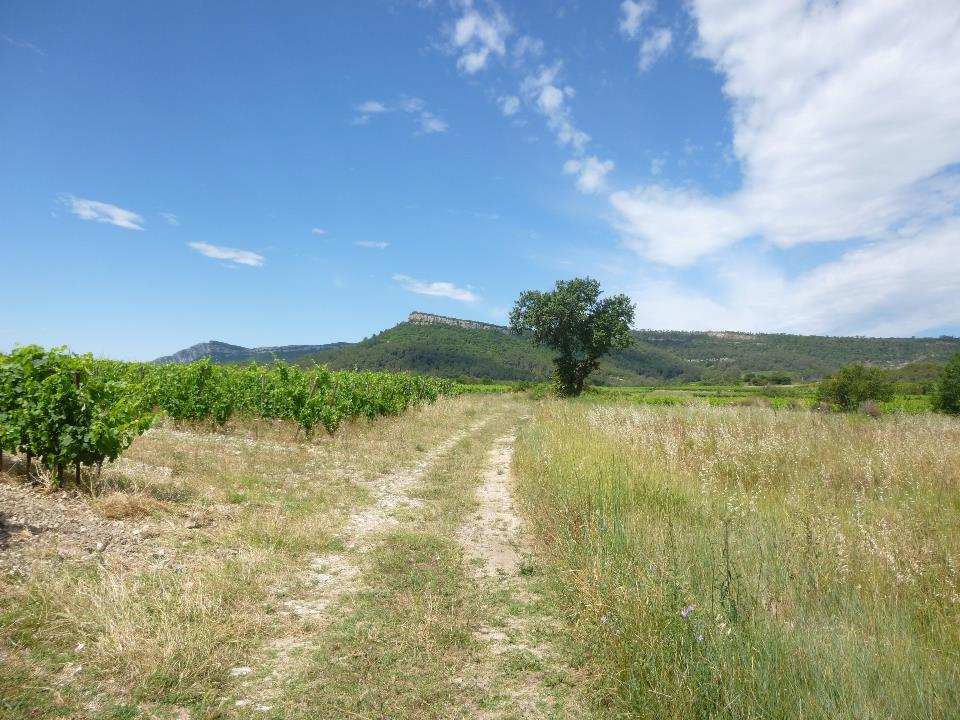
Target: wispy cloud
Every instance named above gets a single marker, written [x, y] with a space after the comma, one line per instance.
[318, 231]
[170, 219]
[509, 104]
[102, 212]
[231, 255]
[632, 14]
[656, 43]
[436, 289]
[23, 44]
[372, 244]
[427, 122]
[371, 107]
[653, 48]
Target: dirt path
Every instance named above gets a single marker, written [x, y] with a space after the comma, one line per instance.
[333, 576]
[517, 651]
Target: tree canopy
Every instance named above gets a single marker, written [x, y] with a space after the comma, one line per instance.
[579, 326]
[947, 394]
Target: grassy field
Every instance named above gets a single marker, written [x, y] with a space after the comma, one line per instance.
[641, 560]
[747, 563]
[778, 397]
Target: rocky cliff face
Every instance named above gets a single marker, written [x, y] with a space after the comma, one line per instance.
[421, 318]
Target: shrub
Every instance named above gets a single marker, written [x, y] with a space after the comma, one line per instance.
[947, 394]
[853, 385]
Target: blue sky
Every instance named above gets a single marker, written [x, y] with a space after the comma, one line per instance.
[272, 173]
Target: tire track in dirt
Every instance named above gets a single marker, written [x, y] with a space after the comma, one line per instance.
[333, 576]
[515, 656]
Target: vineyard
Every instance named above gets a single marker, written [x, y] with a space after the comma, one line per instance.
[70, 411]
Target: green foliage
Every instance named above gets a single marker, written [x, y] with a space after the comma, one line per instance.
[574, 322]
[73, 410]
[309, 397]
[656, 357]
[853, 385]
[947, 395]
[67, 410]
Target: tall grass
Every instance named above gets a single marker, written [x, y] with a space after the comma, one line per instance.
[749, 563]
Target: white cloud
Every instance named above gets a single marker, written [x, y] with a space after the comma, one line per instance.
[509, 104]
[477, 36]
[527, 46]
[633, 14]
[656, 165]
[653, 48]
[102, 212]
[372, 244]
[676, 227]
[318, 231]
[231, 255]
[170, 219]
[544, 91]
[846, 124]
[427, 122]
[23, 44]
[371, 107]
[591, 172]
[436, 289]
[897, 287]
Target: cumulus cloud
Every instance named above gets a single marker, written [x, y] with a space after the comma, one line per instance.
[102, 212]
[372, 244]
[476, 36]
[170, 219]
[590, 173]
[318, 231]
[231, 255]
[846, 120]
[890, 288]
[436, 289]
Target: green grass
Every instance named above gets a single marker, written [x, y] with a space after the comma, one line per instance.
[778, 397]
[746, 563]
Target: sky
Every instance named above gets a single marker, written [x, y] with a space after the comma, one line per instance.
[302, 172]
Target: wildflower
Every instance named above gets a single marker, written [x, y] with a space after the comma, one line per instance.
[687, 611]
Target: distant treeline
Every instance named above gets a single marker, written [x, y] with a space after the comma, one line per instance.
[657, 358]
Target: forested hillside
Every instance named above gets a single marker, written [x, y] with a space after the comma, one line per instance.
[657, 357]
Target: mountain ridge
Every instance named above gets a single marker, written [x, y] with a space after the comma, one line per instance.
[467, 349]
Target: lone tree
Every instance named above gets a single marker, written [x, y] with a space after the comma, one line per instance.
[947, 395]
[854, 385]
[575, 322]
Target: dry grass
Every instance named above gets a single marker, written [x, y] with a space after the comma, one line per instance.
[748, 563]
[97, 638]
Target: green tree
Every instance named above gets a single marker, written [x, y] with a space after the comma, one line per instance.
[577, 324]
[946, 397]
[855, 384]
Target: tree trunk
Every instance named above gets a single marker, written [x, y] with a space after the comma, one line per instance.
[77, 480]
[60, 474]
[26, 472]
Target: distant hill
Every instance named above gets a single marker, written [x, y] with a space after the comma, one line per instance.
[451, 347]
[221, 352]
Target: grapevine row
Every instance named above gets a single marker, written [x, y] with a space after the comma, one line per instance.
[72, 410]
